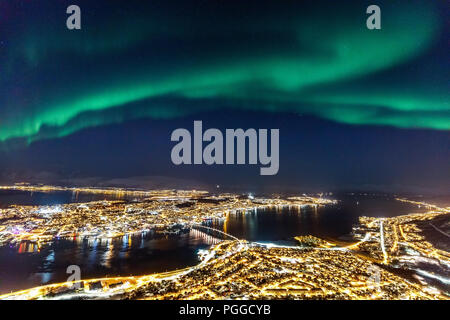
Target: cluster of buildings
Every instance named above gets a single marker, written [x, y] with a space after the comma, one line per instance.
[378, 265]
[169, 211]
[254, 271]
[417, 246]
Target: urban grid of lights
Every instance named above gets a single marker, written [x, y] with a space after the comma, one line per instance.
[167, 211]
[382, 263]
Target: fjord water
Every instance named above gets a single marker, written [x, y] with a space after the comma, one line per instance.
[28, 198]
[25, 266]
[333, 222]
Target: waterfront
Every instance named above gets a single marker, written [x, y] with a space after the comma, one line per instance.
[25, 265]
[32, 198]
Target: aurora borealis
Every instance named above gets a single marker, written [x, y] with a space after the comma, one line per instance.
[167, 60]
[267, 57]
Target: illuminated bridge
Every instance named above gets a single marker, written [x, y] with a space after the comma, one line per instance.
[216, 233]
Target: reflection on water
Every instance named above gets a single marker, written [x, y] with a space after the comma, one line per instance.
[26, 265]
[10, 197]
[331, 222]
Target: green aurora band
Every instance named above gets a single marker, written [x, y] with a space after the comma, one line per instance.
[163, 65]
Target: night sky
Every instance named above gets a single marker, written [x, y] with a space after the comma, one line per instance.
[357, 109]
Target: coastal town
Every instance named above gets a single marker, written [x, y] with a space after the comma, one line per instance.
[165, 211]
[389, 258]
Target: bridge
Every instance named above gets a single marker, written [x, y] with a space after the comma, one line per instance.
[214, 230]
